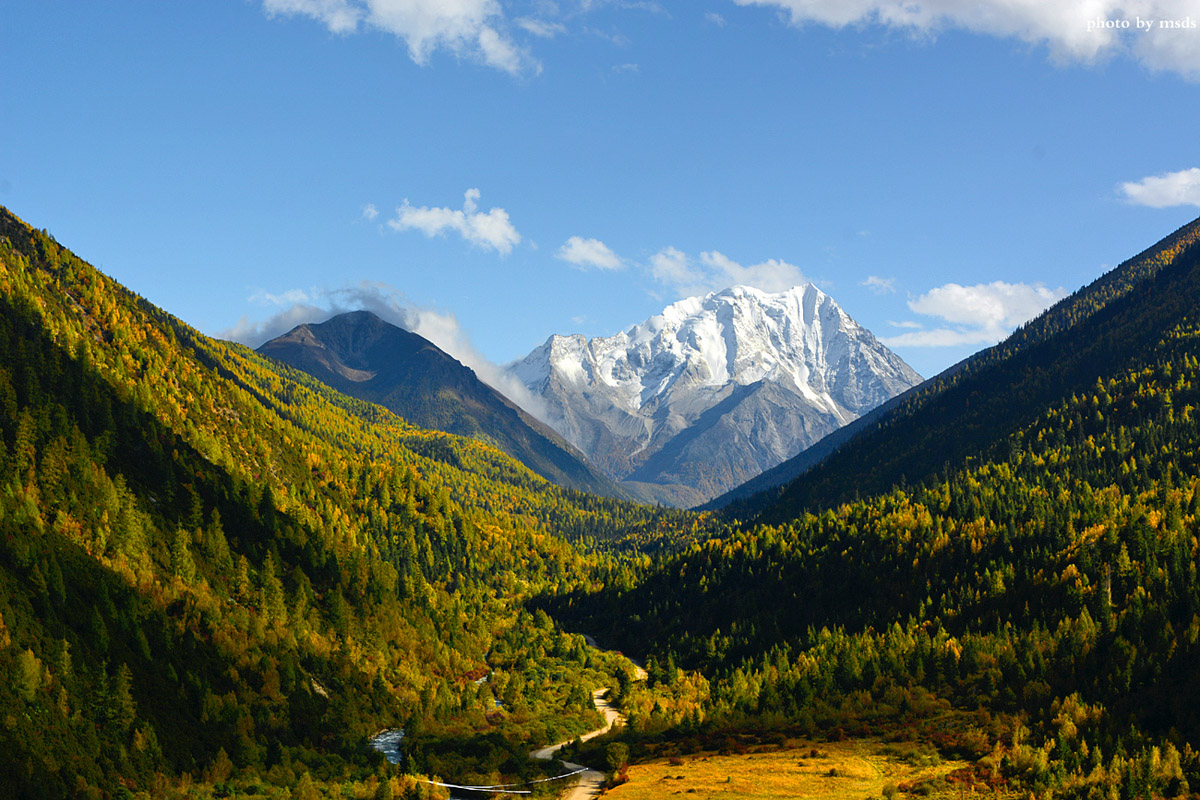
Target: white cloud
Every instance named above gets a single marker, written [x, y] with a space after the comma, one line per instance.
[370, 212]
[626, 68]
[673, 267]
[474, 28]
[1074, 30]
[771, 275]
[1169, 189]
[714, 271]
[980, 314]
[995, 304]
[500, 51]
[491, 229]
[589, 253]
[340, 16]
[389, 304]
[715, 18]
[254, 333]
[540, 27]
[907, 323]
[880, 285]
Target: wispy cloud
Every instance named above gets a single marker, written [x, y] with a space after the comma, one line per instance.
[492, 229]
[370, 212]
[540, 27]
[388, 303]
[970, 315]
[1162, 191]
[880, 285]
[1073, 31]
[714, 18]
[472, 28]
[945, 337]
[713, 271]
[589, 253]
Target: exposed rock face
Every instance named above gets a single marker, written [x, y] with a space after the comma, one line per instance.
[714, 390]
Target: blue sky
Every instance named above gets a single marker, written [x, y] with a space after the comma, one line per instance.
[495, 172]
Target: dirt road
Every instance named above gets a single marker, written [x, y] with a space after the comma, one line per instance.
[589, 780]
[639, 672]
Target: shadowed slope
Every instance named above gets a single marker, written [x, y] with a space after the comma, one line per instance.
[361, 355]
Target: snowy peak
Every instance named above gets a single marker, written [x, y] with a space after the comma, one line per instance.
[740, 335]
[622, 398]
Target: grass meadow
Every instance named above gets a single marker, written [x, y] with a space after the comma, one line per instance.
[849, 770]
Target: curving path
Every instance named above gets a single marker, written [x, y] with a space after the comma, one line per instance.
[639, 672]
[590, 780]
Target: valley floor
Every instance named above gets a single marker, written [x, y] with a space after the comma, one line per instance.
[852, 770]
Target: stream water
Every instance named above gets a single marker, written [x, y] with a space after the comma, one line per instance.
[388, 743]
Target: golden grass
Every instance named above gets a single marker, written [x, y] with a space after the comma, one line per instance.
[851, 770]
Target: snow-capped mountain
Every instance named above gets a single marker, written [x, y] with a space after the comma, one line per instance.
[713, 390]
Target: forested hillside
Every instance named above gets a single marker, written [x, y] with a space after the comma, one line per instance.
[218, 576]
[958, 414]
[1036, 608]
[215, 569]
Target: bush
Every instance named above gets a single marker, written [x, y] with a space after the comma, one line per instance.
[616, 755]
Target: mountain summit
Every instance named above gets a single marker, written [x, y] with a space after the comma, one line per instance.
[363, 356]
[713, 390]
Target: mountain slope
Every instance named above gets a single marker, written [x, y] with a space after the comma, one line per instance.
[715, 389]
[953, 416]
[1035, 606]
[216, 571]
[359, 354]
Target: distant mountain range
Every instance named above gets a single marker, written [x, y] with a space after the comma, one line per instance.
[688, 405]
[363, 356]
[714, 390]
